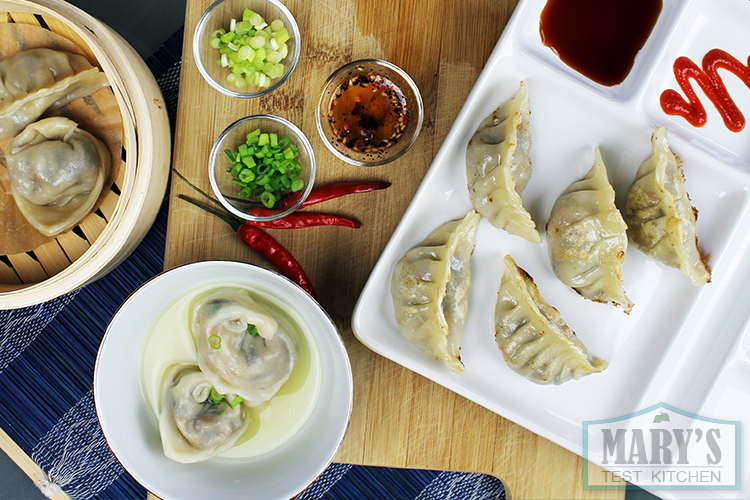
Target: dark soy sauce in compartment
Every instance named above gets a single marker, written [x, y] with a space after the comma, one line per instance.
[368, 113]
[599, 38]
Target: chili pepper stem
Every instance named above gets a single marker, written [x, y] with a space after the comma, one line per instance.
[178, 174]
[233, 222]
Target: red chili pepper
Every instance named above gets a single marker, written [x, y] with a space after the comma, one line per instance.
[332, 190]
[297, 220]
[264, 244]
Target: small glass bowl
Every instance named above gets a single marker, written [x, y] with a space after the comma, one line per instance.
[219, 15]
[236, 134]
[414, 108]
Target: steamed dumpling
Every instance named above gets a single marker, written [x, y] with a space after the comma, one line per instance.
[192, 427]
[56, 173]
[660, 216]
[532, 336]
[587, 238]
[430, 288]
[241, 348]
[33, 81]
[498, 167]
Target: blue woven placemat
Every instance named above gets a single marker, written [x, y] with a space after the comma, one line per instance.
[47, 355]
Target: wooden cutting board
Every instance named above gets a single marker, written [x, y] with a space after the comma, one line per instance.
[400, 419]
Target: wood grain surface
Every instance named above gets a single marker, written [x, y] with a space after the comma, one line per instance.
[400, 419]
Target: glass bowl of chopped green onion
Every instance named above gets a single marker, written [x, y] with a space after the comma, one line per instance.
[246, 48]
[262, 168]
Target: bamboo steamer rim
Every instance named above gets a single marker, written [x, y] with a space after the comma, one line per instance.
[145, 126]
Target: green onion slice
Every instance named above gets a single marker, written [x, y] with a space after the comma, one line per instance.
[215, 397]
[252, 50]
[252, 329]
[265, 166]
[214, 341]
[237, 400]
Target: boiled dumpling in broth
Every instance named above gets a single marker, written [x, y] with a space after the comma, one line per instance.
[192, 426]
[660, 215]
[587, 238]
[498, 167]
[33, 81]
[56, 173]
[242, 349]
[532, 336]
[430, 287]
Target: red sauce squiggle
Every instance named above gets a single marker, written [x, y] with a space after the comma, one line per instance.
[710, 81]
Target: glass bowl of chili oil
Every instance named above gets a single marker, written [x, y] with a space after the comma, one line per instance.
[369, 112]
[262, 168]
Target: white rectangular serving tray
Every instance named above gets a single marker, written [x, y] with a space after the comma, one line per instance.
[681, 345]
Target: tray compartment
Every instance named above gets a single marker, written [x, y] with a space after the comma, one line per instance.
[529, 40]
[703, 27]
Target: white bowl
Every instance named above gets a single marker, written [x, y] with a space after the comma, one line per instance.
[131, 428]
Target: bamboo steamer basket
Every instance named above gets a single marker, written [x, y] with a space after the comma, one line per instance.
[106, 237]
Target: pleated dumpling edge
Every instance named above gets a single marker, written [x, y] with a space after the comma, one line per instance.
[430, 287]
[532, 336]
[660, 215]
[498, 167]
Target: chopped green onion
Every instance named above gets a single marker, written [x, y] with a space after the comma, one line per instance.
[281, 36]
[246, 175]
[256, 19]
[273, 56]
[252, 329]
[214, 341]
[252, 136]
[257, 42]
[252, 50]
[267, 198]
[245, 52]
[265, 166]
[215, 397]
[237, 400]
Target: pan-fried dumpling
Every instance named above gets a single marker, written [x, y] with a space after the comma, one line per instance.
[242, 349]
[532, 336]
[192, 427]
[430, 288]
[587, 238]
[498, 167]
[56, 173]
[33, 81]
[660, 216]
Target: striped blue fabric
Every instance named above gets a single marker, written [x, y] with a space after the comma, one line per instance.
[47, 355]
